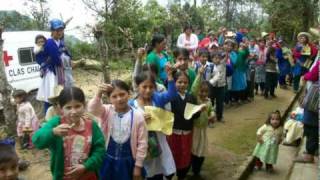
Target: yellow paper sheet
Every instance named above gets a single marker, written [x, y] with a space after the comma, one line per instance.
[191, 109]
[161, 120]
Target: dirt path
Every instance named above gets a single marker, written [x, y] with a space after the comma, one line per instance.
[232, 142]
[229, 143]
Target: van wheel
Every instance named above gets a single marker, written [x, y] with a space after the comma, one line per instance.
[37, 105]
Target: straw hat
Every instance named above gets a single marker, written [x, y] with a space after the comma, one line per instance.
[230, 34]
[56, 91]
[229, 41]
[308, 35]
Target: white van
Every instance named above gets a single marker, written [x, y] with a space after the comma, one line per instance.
[21, 68]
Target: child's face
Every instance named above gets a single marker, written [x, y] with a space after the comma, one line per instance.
[40, 42]
[275, 120]
[119, 98]
[182, 84]
[73, 110]
[203, 59]
[204, 92]
[302, 39]
[216, 60]
[146, 89]
[229, 47]
[9, 170]
[18, 99]
[182, 62]
[261, 44]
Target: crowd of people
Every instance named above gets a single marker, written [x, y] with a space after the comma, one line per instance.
[112, 141]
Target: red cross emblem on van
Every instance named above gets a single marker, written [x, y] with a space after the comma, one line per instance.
[6, 58]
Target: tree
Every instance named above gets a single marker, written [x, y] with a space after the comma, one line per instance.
[14, 21]
[40, 13]
[5, 89]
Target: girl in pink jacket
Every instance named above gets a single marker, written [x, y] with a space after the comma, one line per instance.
[125, 132]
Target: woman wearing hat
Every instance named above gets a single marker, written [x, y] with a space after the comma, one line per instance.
[303, 54]
[57, 58]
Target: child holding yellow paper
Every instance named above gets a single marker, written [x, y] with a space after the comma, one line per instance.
[159, 162]
[199, 134]
[180, 141]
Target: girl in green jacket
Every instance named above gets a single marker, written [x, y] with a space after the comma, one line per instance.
[75, 141]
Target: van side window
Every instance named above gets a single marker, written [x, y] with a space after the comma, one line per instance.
[26, 56]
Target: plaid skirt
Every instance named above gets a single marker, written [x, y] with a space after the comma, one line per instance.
[180, 146]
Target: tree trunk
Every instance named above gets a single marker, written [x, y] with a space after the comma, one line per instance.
[227, 6]
[9, 110]
[103, 52]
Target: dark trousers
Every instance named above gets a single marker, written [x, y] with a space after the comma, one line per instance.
[296, 83]
[271, 83]
[197, 164]
[282, 80]
[261, 85]
[227, 95]
[312, 138]
[238, 95]
[182, 173]
[217, 97]
[160, 177]
[250, 89]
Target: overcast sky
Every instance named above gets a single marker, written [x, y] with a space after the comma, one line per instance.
[65, 8]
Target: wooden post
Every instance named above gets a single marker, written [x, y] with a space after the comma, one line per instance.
[9, 109]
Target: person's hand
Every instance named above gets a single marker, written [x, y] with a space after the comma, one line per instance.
[75, 171]
[61, 130]
[137, 173]
[204, 107]
[147, 117]
[260, 140]
[104, 88]
[202, 69]
[169, 70]
[141, 52]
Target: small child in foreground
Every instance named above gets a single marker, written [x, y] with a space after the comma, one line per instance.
[269, 138]
[199, 134]
[9, 166]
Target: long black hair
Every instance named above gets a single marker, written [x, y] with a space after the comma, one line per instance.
[156, 39]
[119, 84]
[69, 94]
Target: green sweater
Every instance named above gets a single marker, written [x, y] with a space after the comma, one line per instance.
[192, 76]
[44, 138]
[153, 58]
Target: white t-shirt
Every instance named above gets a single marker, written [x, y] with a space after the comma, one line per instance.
[190, 44]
